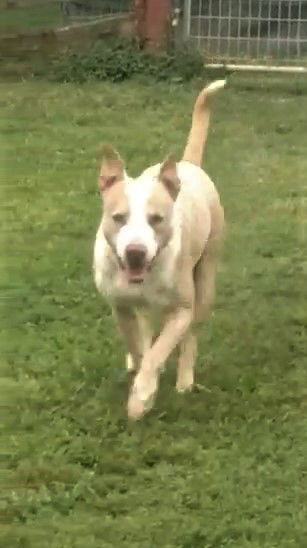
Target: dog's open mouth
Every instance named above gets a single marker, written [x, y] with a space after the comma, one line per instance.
[135, 275]
[136, 269]
[135, 263]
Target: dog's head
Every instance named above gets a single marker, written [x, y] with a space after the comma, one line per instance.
[137, 217]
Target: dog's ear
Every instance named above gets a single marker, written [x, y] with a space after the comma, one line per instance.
[168, 176]
[112, 168]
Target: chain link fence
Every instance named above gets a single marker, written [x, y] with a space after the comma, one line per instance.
[84, 9]
[17, 16]
[249, 31]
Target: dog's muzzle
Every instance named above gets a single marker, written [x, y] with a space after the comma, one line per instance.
[135, 262]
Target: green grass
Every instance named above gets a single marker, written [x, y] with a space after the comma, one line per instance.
[30, 17]
[44, 14]
[225, 467]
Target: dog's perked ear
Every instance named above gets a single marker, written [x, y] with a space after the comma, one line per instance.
[112, 168]
[168, 176]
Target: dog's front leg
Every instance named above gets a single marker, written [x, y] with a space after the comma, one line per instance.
[128, 326]
[146, 382]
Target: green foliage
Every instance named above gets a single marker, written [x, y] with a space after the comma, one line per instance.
[118, 61]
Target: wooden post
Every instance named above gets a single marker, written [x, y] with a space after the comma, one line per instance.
[157, 23]
[152, 22]
[140, 17]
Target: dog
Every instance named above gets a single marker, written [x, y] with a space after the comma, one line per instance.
[155, 257]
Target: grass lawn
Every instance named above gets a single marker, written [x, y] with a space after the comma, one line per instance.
[223, 467]
[30, 17]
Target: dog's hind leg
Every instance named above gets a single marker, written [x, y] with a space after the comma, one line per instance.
[204, 275]
[206, 269]
[186, 361]
[204, 286]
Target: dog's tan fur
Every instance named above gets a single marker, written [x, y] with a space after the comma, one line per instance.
[180, 288]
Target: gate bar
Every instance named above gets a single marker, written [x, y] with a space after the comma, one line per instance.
[256, 68]
[187, 19]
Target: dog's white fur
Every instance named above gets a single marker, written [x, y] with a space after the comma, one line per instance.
[179, 289]
[137, 229]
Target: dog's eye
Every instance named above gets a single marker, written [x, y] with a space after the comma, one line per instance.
[155, 219]
[119, 218]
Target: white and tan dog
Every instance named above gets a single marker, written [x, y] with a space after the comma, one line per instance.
[156, 255]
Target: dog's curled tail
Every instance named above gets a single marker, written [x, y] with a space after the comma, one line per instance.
[200, 122]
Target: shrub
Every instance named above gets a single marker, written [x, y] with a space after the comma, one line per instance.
[122, 60]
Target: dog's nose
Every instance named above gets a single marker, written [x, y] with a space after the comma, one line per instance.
[135, 256]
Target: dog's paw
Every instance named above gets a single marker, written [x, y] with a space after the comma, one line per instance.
[137, 408]
[142, 396]
[185, 383]
[130, 364]
[182, 388]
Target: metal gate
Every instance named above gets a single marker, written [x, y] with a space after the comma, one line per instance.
[249, 34]
[82, 10]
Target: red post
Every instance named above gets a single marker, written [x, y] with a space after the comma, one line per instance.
[140, 17]
[157, 19]
[152, 21]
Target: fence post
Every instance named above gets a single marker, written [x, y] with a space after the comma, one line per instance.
[157, 23]
[187, 19]
[140, 16]
[152, 22]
